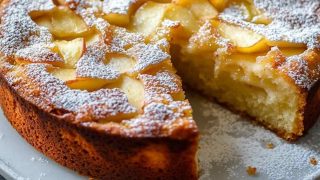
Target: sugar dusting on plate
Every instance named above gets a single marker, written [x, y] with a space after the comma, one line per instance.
[229, 144]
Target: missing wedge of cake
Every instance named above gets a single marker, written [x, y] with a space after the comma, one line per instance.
[258, 58]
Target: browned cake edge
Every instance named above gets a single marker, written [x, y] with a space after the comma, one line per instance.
[96, 154]
[311, 109]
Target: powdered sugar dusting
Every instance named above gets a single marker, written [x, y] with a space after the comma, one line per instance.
[38, 53]
[229, 144]
[296, 21]
[160, 86]
[122, 40]
[18, 30]
[53, 96]
[91, 64]
[301, 72]
[117, 7]
[147, 55]
[300, 68]
[164, 118]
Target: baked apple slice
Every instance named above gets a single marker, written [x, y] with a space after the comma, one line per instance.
[150, 17]
[245, 41]
[71, 51]
[133, 88]
[69, 77]
[122, 64]
[119, 12]
[184, 16]
[285, 44]
[292, 51]
[202, 9]
[62, 23]
[220, 4]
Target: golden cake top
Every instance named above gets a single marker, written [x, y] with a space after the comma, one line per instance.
[295, 21]
[72, 63]
[285, 26]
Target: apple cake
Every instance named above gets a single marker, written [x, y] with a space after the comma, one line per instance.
[260, 58]
[92, 84]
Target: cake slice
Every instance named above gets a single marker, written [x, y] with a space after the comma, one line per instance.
[258, 58]
[92, 96]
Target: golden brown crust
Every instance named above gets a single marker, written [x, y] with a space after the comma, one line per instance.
[302, 73]
[97, 154]
[311, 109]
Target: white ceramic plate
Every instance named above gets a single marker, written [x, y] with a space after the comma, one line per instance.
[229, 144]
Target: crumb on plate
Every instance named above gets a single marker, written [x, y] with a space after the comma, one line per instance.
[251, 170]
[270, 145]
[313, 161]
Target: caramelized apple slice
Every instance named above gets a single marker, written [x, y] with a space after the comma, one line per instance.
[220, 4]
[119, 13]
[255, 15]
[92, 37]
[117, 19]
[63, 23]
[205, 40]
[246, 41]
[122, 64]
[184, 16]
[285, 44]
[64, 74]
[149, 17]
[134, 90]
[150, 20]
[71, 51]
[69, 77]
[292, 51]
[172, 31]
[202, 9]
[261, 19]
[88, 84]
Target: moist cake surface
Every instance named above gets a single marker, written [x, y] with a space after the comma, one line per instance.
[91, 83]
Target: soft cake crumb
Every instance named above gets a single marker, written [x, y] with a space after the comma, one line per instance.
[313, 161]
[251, 170]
